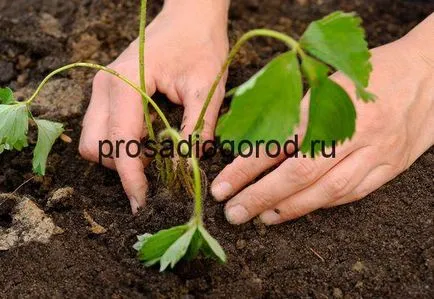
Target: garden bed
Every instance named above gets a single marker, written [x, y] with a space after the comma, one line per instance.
[378, 247]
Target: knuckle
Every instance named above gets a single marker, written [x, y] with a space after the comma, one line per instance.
[115, 132]
[207, 132]
[242, 173]
[127, 178]
[336, 187]
[305, 171]
[402, 163]
[360, 193]
[124, 68]
[88, 152]
[292, 211]
[98, 80]
[258, 202]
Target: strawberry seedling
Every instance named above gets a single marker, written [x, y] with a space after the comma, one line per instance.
[266, 107]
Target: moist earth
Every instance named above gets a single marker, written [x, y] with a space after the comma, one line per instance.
[382, 246]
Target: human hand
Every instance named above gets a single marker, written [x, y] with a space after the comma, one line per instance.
[390, 135]
[186, 46]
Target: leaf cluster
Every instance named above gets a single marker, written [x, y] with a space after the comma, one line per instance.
[14, 126]
[167, 247]
[267, 106]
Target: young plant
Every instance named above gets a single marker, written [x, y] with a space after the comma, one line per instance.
[272, 95]
[168, 246]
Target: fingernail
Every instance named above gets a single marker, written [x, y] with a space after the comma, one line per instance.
[221, 191]
[237, 215]
[134, 205]
[270, 217]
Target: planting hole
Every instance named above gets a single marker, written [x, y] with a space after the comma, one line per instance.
[6, 212]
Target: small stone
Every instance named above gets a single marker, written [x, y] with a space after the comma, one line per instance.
[358, 266]
[337, 293]
[241, 244]
[94, 228]
[50, 25]
[359, 284]
[29, 224]
[302, 2]
[60, 198]
[7, 71]
[257, 280]
[261, 228]
[22, 78]
[23, 62]
[85, 47]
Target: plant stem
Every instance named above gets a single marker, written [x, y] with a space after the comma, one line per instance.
[142, 41]
[107, 70]
[197, 190]
[289, 41]
[197, 216]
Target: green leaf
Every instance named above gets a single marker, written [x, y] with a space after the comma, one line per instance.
[267, 106]
[7, 96]
[48, 132]
[314, 70]
[14, 124]
[151, 262]
[142, 239]
[213, 244]
[195, 245]
[157, 244]
[339, 40]
[332, 116]
[177, 250]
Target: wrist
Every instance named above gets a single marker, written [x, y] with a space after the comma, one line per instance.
[211, 11]
[420, 41]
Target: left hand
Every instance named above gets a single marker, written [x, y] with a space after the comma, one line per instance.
[390, 135]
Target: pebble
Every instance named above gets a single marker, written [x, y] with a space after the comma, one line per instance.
[302, 2]
[337, 293]
[94, 228]
[23, 62]
[22, 78]
[60, 198]
[358, 266]
[50, 26]
[7, 71]
[241, 244]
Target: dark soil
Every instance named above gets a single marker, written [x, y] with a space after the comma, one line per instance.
[382, 246]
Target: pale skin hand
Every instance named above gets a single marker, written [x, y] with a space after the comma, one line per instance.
[186, 46]
[390, 135]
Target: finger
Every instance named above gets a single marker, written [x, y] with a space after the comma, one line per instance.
[242, 171]
[337, 183]
[95, 123]
[193, 100]
[126, 124]
[94, 145]
[293, 175]
[374, 180]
